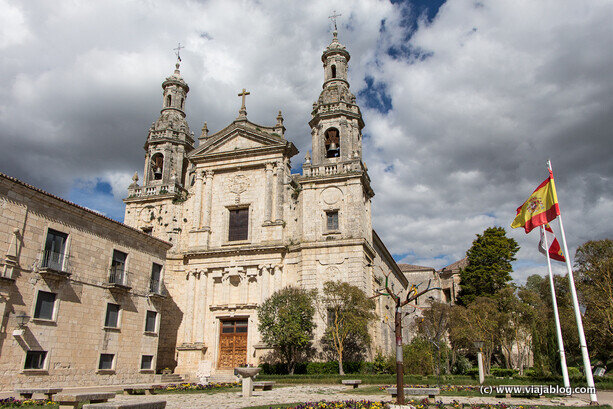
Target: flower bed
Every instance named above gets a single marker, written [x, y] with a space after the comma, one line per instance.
[346, 404]
[199, 386]
[443, 388]
[16, 403]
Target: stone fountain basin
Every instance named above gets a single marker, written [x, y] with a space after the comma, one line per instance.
[246, 372]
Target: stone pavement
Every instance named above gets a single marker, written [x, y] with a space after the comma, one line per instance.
[304, 393]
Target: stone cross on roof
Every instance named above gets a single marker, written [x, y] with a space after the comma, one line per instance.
[178, 50]
[333, 18]
[243, 110]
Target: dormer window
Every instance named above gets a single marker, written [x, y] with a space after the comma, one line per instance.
[332, 142]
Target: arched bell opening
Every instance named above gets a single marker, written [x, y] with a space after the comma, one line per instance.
[168, 101]
[332, 141]
[157, 166]
[333, 71]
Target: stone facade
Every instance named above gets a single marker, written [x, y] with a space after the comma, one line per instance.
[57, 269]
[243, 226]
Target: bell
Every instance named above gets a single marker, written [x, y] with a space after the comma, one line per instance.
[333, 147]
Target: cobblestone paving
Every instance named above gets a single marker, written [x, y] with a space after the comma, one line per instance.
[303, 393]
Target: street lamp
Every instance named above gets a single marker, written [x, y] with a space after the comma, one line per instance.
[22, 319]
[479, 346]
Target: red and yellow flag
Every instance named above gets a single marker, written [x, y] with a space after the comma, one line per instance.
[540, 208]
[555, 252]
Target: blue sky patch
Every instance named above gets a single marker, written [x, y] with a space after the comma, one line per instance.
[97, 196]
[375, 96]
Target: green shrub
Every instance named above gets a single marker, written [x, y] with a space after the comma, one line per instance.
[574, 372]
[503, 372]
[461, 366]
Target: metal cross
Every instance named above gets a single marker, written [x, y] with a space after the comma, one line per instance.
[244, 94]
[178, 50]
[333, 18]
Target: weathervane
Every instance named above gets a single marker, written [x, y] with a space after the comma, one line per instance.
[333, 18]
[178, 50]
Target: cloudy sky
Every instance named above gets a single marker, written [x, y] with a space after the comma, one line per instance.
[464, 101]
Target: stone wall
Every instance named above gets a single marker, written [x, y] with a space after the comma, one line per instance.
[75, 335]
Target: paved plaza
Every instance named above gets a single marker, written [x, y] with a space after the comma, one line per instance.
[304, 393]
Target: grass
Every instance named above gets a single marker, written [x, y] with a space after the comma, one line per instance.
[388, 379]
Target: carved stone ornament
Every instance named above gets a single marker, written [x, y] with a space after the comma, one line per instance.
[147, 215]
[331, 195]
[237, 185]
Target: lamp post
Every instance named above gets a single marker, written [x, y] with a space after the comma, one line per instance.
[479, 346]
[22, 319]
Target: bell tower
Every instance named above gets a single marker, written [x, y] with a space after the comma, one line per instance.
[151, 207]
[336, 121]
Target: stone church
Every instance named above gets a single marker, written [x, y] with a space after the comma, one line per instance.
[243, 226]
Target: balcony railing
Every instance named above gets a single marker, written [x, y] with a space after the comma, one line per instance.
[165, 189]
[118, 277]
[155, 287]
[54, 264]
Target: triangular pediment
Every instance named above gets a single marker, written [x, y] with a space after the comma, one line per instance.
[237, 138]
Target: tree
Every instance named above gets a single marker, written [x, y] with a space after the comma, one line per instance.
[489, 265]
[433, 326]
[286, 323]
[348, 312]
[594, 266]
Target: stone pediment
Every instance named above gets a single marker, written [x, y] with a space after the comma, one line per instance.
[240, 138]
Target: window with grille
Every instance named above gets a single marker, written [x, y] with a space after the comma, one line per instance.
[111, 320]
[156, 276]
[239, 224]
[55, 247]
[150, 321]
[45, 305]
[35, 360]
[146, 362]
[106, 361]
[332, 220]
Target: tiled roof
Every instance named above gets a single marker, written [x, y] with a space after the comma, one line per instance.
[412, 267]
[456, 265]
[85, 209]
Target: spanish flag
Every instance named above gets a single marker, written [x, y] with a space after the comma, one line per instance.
[555, 252]
[540, 208]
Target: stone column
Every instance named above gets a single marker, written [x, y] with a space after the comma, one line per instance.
[202, 299]
[280, 191]
[268, 194]
[189, 308]
[198, 200]
[264, 284]
[208, 198]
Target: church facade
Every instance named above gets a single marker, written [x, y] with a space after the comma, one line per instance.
[243, 226]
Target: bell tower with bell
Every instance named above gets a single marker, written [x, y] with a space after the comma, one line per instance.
[164, 178]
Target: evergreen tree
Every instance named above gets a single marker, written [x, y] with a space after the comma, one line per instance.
[489, 265]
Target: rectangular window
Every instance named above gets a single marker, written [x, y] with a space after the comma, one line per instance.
[146, 362]
[111, 320]
[55, 248]
[106, 361]
[35, 360]
[118, 267]
[239, 224]
[150, 321]
[156, 275]
[45, 304]
[332, 220]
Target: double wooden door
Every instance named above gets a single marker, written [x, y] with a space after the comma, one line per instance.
[232, 343]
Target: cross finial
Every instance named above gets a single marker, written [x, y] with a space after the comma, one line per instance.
[243, 110]
[333, 18]
[178, 50]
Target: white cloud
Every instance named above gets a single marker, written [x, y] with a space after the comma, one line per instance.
[505, 86]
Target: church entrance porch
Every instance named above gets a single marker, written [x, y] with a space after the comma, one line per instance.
[232, 343]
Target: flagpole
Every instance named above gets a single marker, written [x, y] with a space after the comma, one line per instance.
[587, 366]
[555, 313]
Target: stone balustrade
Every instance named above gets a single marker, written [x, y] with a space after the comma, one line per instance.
[166, 189]
[332, 169]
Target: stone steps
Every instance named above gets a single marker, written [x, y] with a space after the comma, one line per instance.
[223, 376]
[171, 378]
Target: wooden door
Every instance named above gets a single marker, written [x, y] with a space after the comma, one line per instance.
[232, 343]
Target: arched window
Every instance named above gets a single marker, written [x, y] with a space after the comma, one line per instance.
[168, 101]
[157, 165]
[333, 71]
[332, 141]
[182, 101]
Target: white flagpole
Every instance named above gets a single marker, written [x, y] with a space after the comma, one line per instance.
[555, 313]
[587, 366]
